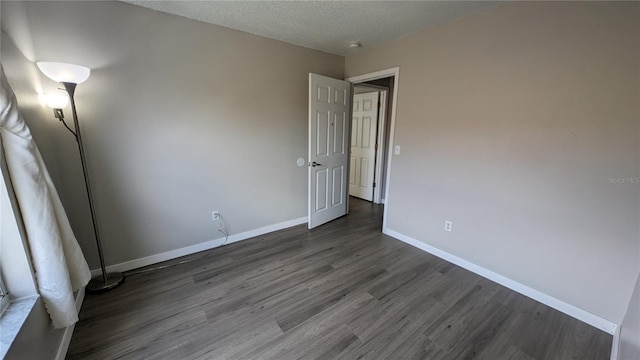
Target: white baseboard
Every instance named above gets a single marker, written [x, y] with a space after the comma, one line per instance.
[582, 315]
[615, 345]
[68, 331]
[153, 259]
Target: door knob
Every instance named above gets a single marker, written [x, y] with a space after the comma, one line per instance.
[314, 164]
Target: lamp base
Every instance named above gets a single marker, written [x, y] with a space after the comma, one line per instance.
[97, 284]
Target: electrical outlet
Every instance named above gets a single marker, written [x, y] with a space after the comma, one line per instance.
[447, 225]
[215, 215]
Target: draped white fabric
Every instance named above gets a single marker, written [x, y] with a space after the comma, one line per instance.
[60, 267]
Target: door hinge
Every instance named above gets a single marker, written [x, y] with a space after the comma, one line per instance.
[376, 147]
[374, 184]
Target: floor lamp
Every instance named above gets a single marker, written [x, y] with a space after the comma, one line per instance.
[71, 75]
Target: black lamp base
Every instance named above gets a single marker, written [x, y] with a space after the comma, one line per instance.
[97, 284]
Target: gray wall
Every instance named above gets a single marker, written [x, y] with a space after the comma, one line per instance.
[511, 123]
[179, 118]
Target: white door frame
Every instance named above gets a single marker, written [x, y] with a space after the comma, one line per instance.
[395, 73]
[382, 121]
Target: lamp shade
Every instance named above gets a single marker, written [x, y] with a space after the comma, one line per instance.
[55, 101]
[62, 72]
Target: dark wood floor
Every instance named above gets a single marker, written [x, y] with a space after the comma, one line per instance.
[341, 291]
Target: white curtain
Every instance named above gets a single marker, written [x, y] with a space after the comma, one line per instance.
[60, 267]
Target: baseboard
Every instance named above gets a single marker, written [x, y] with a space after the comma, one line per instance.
[582, 315]
[68, 331]
[615, 345]
[207, 245]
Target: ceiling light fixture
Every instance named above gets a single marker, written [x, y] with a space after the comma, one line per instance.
[355, 44]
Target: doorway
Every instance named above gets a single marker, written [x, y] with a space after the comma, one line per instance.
[382, 80]
[368, 139]
[330, 102]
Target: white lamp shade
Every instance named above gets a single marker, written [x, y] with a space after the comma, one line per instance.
[55, 101]
[62, 72]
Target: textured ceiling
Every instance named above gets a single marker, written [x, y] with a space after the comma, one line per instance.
[323, 25]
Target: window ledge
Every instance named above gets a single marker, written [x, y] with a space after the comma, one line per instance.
[12, 320]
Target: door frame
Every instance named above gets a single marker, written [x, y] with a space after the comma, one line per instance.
[395, 74]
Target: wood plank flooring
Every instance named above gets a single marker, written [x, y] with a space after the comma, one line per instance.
[341, 291]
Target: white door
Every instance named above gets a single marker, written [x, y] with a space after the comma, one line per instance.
[363, 145]
[329, 111]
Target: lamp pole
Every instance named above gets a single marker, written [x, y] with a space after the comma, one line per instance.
[70, 76]
[109, 281]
